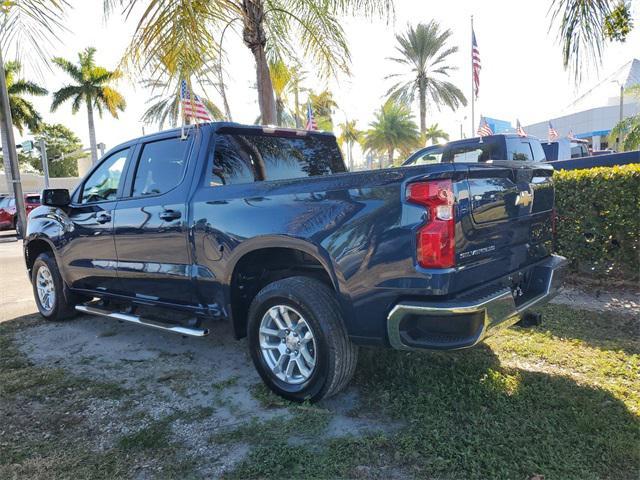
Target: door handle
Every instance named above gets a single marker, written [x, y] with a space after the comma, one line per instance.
[103, 218]
[170, 215]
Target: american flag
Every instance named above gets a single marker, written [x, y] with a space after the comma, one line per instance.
[484, 130]
[475, 64]
[192, 106]
[519, 130]
[311, 121]
[553, 133]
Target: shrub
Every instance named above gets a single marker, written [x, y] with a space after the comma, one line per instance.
[598, 227]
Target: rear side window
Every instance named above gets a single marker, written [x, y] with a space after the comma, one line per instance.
[538, 151]
[466, 155]
[243, 158]
[160, 168]
[519, 150]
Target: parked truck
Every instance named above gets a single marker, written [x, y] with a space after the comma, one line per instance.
[264, 228]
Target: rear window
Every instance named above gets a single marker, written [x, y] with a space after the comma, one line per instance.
[245, 158]
[33, 199]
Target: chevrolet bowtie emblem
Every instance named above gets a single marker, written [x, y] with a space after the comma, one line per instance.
[524, 199]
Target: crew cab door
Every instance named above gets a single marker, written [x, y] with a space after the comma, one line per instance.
[89, 255]
[151, 231]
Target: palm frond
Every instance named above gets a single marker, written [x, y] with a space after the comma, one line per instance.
[62, 95]
[28, 28]
[580, 31]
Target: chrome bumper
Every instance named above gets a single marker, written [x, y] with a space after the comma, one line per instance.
[463, 323]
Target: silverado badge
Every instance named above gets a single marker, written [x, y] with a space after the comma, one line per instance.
[524, 198]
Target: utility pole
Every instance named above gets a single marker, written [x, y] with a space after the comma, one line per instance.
[473, 98]
[45, 162]
[10, 153]
[621, 114]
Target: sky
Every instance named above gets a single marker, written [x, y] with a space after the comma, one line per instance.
[522, 75]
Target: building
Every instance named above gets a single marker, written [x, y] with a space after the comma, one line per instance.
[594, 113]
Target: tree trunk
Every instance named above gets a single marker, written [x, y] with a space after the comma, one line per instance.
[423, 106]
[255, 38]
[279, 112]
[223, 93]
[92, 131]
[296, 102]
[350, 147]
[391, 150]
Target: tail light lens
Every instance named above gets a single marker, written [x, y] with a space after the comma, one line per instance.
[436, 239]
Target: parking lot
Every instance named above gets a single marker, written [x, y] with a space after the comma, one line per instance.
[95, 398]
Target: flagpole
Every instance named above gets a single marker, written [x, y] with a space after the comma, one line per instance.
[473, 97]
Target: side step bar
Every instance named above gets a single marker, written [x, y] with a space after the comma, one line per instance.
[192, 332]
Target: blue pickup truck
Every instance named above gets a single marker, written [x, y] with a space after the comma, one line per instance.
[266, 229]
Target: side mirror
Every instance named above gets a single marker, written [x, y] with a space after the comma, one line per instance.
[55, 197]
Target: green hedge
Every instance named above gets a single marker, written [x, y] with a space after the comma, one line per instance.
[598, 226]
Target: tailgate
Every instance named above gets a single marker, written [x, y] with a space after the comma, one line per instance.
[508, 212]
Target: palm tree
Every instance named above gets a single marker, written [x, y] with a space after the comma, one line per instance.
[281, 76]
[425, 53]
[165, 106]
[298, 75]
[349, 135]
[92, 88]
[23, 113]
[585, 25]
[277, 26]
[393, 128]
[323, 105]
[628, 130]
[435, 133]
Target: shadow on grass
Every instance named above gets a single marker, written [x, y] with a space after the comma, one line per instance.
[603, 330]
[467, 414]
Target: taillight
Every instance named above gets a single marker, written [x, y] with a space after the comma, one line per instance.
[436, 246]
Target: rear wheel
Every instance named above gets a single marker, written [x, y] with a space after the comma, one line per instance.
[50, 292]
[298, 341]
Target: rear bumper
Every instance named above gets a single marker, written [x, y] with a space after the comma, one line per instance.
[464, 321]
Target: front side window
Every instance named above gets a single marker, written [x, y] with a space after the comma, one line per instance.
[432, 156]
[240, 158]
[161, 167]
[103, 183]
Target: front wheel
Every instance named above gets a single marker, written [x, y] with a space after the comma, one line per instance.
[49, 289]
[298, 341]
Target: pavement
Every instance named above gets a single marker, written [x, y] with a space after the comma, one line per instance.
[16, 294]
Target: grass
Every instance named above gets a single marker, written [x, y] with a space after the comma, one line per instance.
[560, 400]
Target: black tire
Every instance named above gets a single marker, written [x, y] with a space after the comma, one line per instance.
[62, 307]
[335, 355]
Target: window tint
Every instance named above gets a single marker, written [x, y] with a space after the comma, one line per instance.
[33, 199]
[102, 184]
[160, 167]
[519, 150]
[245, 158]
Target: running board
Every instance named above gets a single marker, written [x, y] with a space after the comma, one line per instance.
[125, 317]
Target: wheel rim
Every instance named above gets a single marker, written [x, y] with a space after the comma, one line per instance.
[287, 344]
[46, 288]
